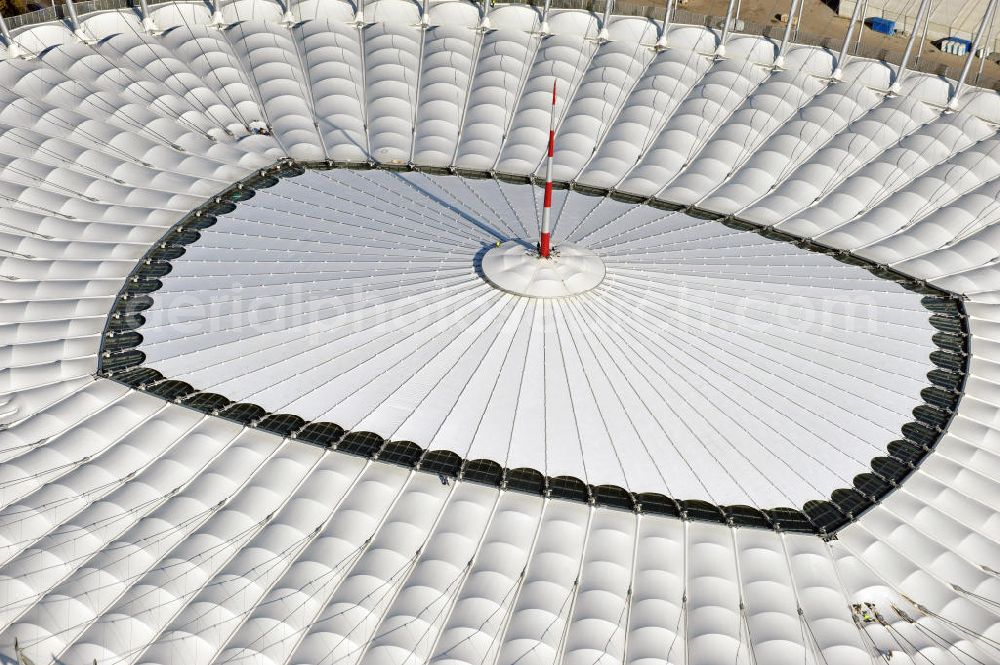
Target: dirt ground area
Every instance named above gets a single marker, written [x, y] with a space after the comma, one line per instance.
[819, 18]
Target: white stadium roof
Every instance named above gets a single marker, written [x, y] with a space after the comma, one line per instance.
[262, 403]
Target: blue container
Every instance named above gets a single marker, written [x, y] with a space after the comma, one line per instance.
[882, 25]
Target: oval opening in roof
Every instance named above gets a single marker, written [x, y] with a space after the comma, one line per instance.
[711, 363]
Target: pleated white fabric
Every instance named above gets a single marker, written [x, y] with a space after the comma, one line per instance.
[136, 530]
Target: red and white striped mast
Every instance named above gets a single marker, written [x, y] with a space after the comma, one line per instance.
[544, 245]
[514, 268]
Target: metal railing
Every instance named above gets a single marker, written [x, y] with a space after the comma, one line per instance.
[774, 31]
[681, 16]
[59, 13]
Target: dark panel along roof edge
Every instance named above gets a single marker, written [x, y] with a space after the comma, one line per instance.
[121, 361]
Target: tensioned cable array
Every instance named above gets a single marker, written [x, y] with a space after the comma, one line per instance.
[371, 301]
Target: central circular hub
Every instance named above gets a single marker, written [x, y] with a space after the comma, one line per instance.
[516, 267]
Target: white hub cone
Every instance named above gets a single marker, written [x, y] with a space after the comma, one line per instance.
[515, 267]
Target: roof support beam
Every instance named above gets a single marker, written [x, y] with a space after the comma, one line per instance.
[74, 22]
[668, 14]
[984, 51]
[148, 24]
[484, 24]
[922, 16]
[13, 50]
[288, 18]
[779, 60]
[720, 51]
[838, 71]
[603, 35]
[217, 19]
[544, 29]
